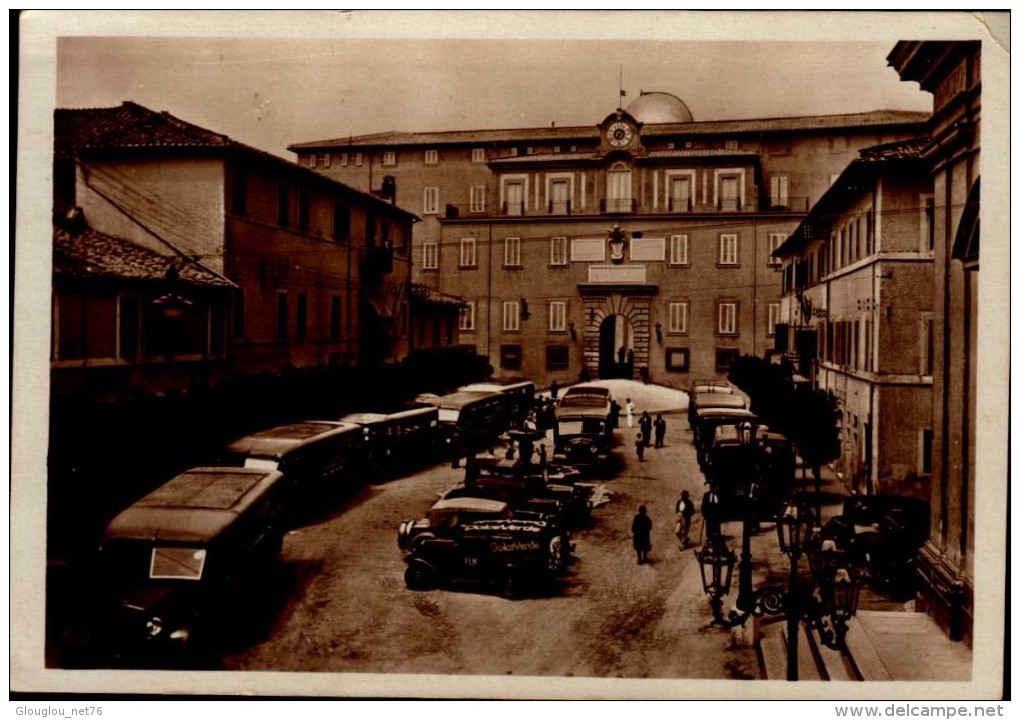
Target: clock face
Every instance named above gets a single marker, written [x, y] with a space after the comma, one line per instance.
[619, 134]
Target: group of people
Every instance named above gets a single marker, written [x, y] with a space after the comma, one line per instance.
[646, 425]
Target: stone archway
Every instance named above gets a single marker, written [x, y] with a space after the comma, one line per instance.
[626, 317]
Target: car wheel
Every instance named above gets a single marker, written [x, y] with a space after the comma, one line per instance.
[419, 576]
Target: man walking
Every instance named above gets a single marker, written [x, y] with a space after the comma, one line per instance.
[641, 530]
[639, 444]
[660, 431]
[645, 423]
[684, 513]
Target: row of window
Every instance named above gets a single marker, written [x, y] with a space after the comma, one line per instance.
[729, 244]
[677, 313]
[389, 158]
[849, 343]
[557, 357]
[300, 328]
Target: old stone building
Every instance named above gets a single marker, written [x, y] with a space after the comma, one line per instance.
[951, 72]
[856, 314]
[319, 270]
[518, 223]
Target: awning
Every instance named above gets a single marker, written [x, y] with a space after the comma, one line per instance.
[386, 298]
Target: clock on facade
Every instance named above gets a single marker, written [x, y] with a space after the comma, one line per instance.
[619, 134]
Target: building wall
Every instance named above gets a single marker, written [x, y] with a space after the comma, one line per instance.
[179, 199]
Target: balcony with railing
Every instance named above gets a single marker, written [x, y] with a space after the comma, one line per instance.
[618, 205]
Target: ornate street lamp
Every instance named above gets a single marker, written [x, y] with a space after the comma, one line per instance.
[837, 582]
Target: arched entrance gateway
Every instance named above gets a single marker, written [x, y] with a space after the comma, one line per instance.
[613, 322]
[616, 348]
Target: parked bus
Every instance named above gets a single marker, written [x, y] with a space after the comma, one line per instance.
[173, 561]
[399, 439]
[318, 458]
[520, 398]
[470, 421]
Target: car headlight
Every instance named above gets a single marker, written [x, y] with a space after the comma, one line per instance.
[181, 635]
[154, 626]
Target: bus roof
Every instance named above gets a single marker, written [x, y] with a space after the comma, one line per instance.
[195, 506]
[278, 441]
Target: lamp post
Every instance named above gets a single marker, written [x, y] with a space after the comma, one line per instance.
[827, 604]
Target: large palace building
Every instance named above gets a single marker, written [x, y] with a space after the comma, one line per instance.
[640, 246]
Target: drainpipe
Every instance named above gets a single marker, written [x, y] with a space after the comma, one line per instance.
[488, 299]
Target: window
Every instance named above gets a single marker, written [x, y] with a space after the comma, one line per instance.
[512, 252]
[927, 442]
[558, 251]
[729, 193]
[467, 317]
[727, 318]
[559, 197]
[618, 197]
[319, 159]
[514, 152]
[430, 201]
[727, 249]
[389, 158]
[282, 314]
[557, 316]
[334, 318]
[301, 324]
[927, 223]
[775, 240]
[677, 317]
[779, 186]
[732, 144]
[430, 259]
[343, 159]
[283, 206]
[678, 250]
[303, 210]
[468, 253]
[478, 155]
[770, 329]
[514, 195]
[510, 357]
[725, 357]
[678, 359]
[557, 357]
[511, 316]
[477, 198]
[927, 349]
[431, 157]
[680, 193]
[357, 159]
[341, 222]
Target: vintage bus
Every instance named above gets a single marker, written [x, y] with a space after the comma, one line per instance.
[319, 458]
[470, 421]
[397, 440]
[520, 398]
[173, 562]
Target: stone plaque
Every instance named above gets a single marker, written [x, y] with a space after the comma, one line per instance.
[647, 249]
[617, 274]
[588, 250]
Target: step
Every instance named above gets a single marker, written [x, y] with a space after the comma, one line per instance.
[913, 647]
[863, 658]
[807, 665]
[773, 657]
[834, 663]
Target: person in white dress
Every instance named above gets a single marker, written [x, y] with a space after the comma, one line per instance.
[629, 407]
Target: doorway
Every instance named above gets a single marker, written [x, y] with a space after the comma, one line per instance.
[616, 347]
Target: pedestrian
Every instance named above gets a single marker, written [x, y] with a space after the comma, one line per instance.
[645, 423]
[630, 363]
[684, 513]
[621, 355]
[554, 390]
[711, 508]
[660, 431]
[629, 409]
[639, 444]
[641, 530]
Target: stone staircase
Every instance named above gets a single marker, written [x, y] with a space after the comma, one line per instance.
[880, 645]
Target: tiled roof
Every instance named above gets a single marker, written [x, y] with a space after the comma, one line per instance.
[132, 126]
[590, 132]
[425, 294]
[92, 254]
[702, 152]
[899, 150]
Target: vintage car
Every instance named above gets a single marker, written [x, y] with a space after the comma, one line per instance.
[175, 560]
[587, 395]
[470, 421]
[318, 458]
[707, 420]
[766, 470]
[729, 401]
[583, 425]
[702, 388]
[883, 533]
[503, 551]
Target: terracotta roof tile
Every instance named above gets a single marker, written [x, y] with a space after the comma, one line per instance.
[92, 254]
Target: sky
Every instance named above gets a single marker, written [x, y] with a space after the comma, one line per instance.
[301, 84]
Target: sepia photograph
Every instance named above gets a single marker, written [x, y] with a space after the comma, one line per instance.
[511, 354]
